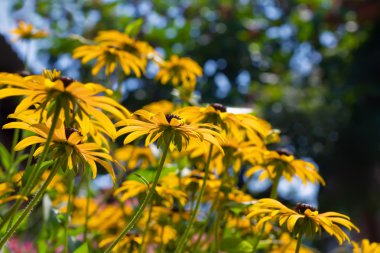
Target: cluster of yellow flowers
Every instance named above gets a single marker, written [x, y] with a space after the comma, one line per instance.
[188, 197]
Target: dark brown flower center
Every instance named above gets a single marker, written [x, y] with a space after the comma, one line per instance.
[70, 130]
[169, 117]
[175, 209]
[301, 208]
[196, 176]
[219, 107]
[283, 151]
[65, 80]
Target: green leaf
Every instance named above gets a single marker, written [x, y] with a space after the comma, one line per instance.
[5, 156]
[16, 217]
[19, 160]
[235, 245]
[143, 179]
[133, 28]
[82, 249]
[149, 173]
[42, 246]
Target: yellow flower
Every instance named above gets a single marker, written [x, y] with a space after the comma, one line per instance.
[5, 189]
[114, 48]
[234, 146]
[163, 234]
[303, 220]
[195, 179]
[76, 99]
[66, 146]
[57, 185]
[166, 189]
[78, 217]
[231, 123]
[239, 196]
[366, 247]
[282, 163]
[288, 245]
[109, 217]
[124, 244]
[168, 129]
[135, 156]
[179, 71]
[26, 31]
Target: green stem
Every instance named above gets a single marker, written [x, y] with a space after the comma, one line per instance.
[299, 242]
[216, 232]
[15, 207]
[183, 239]
[146, 229]
[88, 186]
[212, 210]
[29, 208]
[68, 211]
[276, 180]
[16, 135]
[220, 212]
[34, 176]
[147, 199]
[258, 238]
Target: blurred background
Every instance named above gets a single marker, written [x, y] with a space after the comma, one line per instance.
[310, 67]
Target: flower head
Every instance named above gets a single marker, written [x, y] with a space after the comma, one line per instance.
[124, 245]
[74, 98]
[283, 163]
[303, 220]
[288, 245]
[66, 148]
[179, 71]
[5, 190]
[135, 156]
[255, 128]
[27, 31]
[113, 48]
[169, 129]
[366, 247]
[166, 190]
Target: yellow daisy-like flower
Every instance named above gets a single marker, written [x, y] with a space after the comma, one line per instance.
[114, 48]
[76, 99]
[231, 123]
[234, 148]
[366, 247]
[166, 189]
[303, 220]
[239, 196]
[135, 156]
[78, 217]
[66, 146]
[288, 245]
[27, 31]
[168, 129]
[179, 71]
[163, 234]
[282, 163]
[194, 180]
[108, 218]
[5, 190]
[124, 244]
